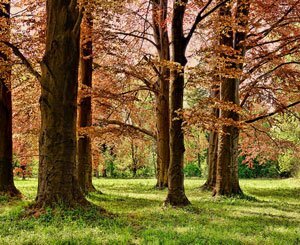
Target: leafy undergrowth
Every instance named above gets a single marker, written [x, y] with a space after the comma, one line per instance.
[270, 216]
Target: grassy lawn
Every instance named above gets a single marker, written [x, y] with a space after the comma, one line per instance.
[272, 216]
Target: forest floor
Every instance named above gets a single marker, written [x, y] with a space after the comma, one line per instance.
[270, 216]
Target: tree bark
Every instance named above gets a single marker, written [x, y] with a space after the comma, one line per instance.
[176, 194]
[84, 151]
[58, 183]
[7, 186]
[227, 165]
[160, 11]
[212, 155]
[134, 158]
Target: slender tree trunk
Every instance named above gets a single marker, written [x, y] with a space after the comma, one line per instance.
[103, 172]
[84, 151]
[7, 186]
[134, 158]
[227, 170]
[160, 10]
[212, 155]
[176, 194]
[58, 183]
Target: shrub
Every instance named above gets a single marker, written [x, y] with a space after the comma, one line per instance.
[268, 169]
[192, 170]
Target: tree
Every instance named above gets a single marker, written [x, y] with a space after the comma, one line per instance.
[176, 195]
[161, 37]
[265, 62]
[84, 151]
[212, 154]
[227, 182]
[7, 186]
[57, 178]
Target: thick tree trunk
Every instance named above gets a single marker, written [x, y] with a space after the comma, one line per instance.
[58, 183]
[7, 186]
[160, 10]
[212, 155]
[176, 194]
[227, 170]
[84, 151]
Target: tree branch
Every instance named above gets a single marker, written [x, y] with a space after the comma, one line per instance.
[24, 60]
[200, 17]
[272, 113]
[126, 125]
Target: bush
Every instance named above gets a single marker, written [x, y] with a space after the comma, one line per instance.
[192, 170]
[257, 170]
[145, 172]
[289, 166]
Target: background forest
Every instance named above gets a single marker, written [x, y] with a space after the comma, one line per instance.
[106, 96]
[126, 66]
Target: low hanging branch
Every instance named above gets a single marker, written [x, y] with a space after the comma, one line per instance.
[24, 60]
[126, 125]
[272, 113]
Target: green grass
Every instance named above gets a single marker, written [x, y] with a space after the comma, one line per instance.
[272, 216]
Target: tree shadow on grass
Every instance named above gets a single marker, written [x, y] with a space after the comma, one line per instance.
[126, 202]
[282, 194]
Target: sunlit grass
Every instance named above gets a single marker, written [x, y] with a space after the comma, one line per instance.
[136, 216]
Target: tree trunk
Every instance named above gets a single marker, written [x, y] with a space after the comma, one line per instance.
[84, 151]
[103, 172]
[160, 10]
[58, 183]
[212, 155]
[7, 186]
[227, 170]
[134, 158]
[176, 194]
[211, 162]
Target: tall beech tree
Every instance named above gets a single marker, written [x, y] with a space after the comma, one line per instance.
[7, 186]
[260, 63]
[227, 179]
[58, 102]
[84, 151]
[176, 194]
[223, 147]
[161, 37]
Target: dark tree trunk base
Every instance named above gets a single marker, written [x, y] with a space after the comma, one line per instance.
[161, 186]
[237, 191]
[89, 189]
[36, 210]
[176, 200]
[53, 202]
[11, 191]
[207, 187]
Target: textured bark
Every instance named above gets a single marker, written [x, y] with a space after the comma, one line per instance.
[58, 183]
[160, 10]
[176, 194]
[7, 186]
[227, 164]
[84, 151]
[212, 155]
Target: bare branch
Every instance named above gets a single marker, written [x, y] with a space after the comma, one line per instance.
[24, 60]
[200, 17]
[272, 113]
[126, 125]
